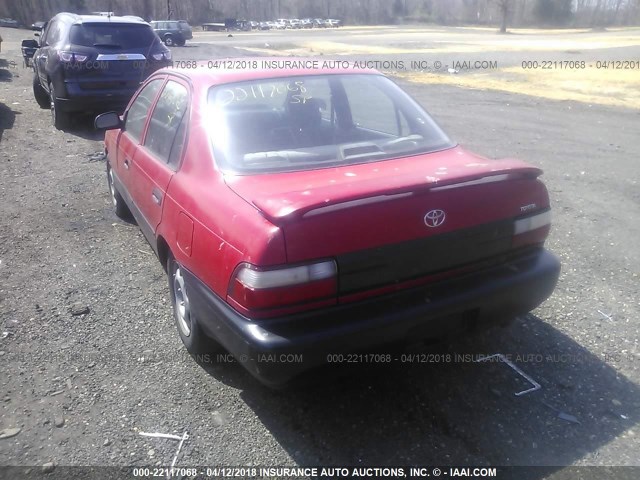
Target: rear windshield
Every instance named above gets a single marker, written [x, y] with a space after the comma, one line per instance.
[319, 121]
[112, 35]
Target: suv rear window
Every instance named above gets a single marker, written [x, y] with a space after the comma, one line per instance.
[317, 121]
[112, 35]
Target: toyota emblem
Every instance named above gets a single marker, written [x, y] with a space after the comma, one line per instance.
[434, 218]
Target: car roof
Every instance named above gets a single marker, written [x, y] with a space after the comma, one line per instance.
[112, 19]
[82, 19]
[207, 75]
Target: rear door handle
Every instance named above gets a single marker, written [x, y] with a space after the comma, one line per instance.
[156, 196]
[126, 164]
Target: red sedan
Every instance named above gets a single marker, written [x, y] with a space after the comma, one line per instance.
[321, 212]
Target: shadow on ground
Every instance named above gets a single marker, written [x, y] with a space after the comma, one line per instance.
[451, 410]
[5, 73]
[7, 118]
[82, 126]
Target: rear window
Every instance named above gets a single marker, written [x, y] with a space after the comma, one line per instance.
[319, 121]
[112, 35]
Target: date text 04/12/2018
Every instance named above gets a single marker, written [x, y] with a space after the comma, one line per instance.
[315, 472]
[580, 65]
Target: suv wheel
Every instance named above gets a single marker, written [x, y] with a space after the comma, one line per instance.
[59, 118]
[168, 41]
[39, 93]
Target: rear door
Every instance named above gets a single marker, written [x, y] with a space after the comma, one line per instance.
[158, 157]
[50, 36]
[130, 137]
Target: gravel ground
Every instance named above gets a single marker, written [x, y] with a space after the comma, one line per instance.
[90, 356]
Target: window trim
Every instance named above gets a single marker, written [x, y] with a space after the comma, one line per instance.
[140, 141]
[397, 112]
[187, 116]
[52, 29]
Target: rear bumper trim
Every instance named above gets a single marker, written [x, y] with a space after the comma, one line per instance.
[483, 298]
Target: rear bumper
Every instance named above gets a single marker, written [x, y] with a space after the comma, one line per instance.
[277, 350]
[78, 94]
[74, 98]
[96, 103]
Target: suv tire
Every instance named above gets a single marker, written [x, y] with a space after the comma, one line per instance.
[59, 118]
[39, 93]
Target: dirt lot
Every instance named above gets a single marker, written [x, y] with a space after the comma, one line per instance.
[90, 357]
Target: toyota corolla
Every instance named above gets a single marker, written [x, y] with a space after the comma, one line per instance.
[321, 212]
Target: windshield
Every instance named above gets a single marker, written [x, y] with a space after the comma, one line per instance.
[113, 35]
[316, 121]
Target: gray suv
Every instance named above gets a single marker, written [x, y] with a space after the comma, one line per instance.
[172, 32]
[88, 63]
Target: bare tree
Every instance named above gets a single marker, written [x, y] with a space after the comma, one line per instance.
[505, 7]
[615, 15]
[596, 17]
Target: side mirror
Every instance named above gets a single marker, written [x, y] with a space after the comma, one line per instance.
[107, 121]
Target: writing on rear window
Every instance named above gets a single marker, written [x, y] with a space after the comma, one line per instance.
[263, 91]
[316, 121]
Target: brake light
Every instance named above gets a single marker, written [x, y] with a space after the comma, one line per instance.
[162, 56]
[262, 293]
[532, 229]
[72, 57]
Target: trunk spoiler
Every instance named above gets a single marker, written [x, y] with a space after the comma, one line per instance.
[284, 208]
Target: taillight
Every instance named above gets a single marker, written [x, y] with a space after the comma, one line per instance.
[532, 229]
[162, 56]
[262, 293]
[72, 57]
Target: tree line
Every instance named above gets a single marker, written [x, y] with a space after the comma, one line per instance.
[500, 13]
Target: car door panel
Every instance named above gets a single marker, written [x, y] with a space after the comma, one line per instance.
[40, 57]
[150, 181]
[129, 139]
[125, 153]
[151, 171]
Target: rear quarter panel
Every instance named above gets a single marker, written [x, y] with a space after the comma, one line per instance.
[226, 229]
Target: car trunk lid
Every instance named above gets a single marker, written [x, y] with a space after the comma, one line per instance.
[381, 220]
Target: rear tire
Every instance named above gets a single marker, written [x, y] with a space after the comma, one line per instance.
[39, 93]
[60, 119]
[119, 205]
[168, 41]
[194, 339]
